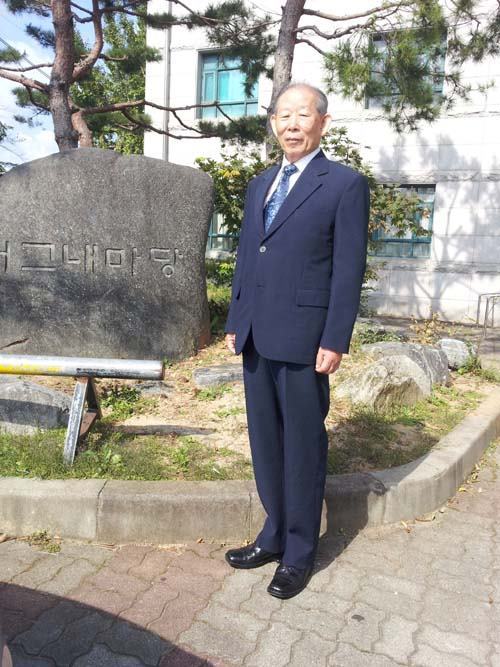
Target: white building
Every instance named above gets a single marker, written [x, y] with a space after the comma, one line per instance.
[454, 163]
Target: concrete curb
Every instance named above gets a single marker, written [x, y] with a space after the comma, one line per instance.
[163, 512]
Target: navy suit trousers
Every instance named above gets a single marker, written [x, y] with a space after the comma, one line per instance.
[287, 404]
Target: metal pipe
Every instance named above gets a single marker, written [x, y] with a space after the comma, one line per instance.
[167, 56]
[131, 369]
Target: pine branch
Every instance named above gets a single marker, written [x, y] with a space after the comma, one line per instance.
[332, 35]
[27, 83]
[400, 4]
[34, 102]
[147, 126]
[25, 69]
[303, 40]
[132, 104]
[85, 65]
[113, 59]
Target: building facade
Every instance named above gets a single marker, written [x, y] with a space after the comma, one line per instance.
[453, 164]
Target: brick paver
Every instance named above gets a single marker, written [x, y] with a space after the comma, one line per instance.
[425, 593]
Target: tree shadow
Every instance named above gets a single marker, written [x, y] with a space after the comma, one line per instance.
[43, 629]
[463, 262]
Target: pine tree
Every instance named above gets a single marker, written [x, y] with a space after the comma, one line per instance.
[404, 75]
[107, 78]
[3, 136]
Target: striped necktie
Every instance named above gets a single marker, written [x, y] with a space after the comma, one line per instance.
[279, 195]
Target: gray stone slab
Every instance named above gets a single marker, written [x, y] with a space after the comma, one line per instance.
[26, 407]
[162, 512]
[214, 375]
[111, 264]
[63, 507]
[154, 388]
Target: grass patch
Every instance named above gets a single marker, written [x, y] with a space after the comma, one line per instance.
[213, 393]
[192, 460]
[43, 542]
[368, 440]
[473, 367]
[124, 401]
[113, 455]
[229, 412]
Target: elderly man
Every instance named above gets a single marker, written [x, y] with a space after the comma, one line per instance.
[295, 297]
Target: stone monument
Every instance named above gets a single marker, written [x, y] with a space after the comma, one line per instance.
[102, 255]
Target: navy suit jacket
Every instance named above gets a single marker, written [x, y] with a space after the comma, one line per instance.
[298, 284]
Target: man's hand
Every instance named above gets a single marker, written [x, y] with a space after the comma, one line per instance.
[327, 361]
[231, 342]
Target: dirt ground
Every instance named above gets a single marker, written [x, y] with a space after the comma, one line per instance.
[217, 418]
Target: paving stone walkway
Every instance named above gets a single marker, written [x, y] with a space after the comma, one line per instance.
[423, 594]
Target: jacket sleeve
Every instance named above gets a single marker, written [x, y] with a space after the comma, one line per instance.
[350, 241]
[230, 326]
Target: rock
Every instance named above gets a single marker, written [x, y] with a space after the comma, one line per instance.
[457, 352]
[394, 380]
[214, 375]
[103, 255]
[26, 407]
[431, 360]
[154, 388]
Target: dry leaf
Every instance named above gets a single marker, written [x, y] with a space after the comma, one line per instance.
[406, 526]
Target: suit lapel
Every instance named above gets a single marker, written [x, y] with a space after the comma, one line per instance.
[309, 181]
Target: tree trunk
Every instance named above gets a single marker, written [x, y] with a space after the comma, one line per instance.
[83, 130]
[61, 75]
[283, 59]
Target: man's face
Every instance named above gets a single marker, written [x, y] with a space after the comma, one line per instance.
[297, 123]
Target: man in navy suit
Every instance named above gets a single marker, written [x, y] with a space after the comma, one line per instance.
[295, 296]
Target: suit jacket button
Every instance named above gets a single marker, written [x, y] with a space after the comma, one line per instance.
[262, 248]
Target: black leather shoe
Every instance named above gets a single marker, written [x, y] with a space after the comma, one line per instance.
[245, 558]
[288, 581]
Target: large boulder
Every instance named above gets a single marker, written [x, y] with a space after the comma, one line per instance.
[393, 380]
[26, 407]
[103, 255]
[457, 352]
[431, 360]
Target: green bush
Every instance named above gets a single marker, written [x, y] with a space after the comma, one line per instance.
[219, 298]
[220, 272]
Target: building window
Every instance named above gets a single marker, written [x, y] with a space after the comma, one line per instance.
[386, 244]
[223, 81]
[381, 89]
[218, 238]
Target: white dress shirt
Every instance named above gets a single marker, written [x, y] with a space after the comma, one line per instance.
[300, 164]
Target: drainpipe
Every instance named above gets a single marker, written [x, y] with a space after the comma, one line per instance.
[166, 86]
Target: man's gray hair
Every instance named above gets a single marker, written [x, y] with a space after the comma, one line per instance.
[321, 98]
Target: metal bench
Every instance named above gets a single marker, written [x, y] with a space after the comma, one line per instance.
[85, 370]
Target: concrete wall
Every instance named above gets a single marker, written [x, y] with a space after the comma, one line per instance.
[459, 154]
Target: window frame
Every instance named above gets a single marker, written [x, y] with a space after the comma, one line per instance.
[217, 239]
[376, 101]
[218, 116]
[415, 241]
